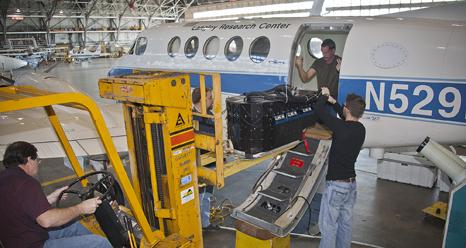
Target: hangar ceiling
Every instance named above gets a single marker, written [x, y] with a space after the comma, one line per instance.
[119, 21]
[46, 17]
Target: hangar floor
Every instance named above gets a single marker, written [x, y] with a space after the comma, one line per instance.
[387, 214]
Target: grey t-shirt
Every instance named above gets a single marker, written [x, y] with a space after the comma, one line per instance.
[327, 75]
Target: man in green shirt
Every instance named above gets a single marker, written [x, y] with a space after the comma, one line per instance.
[327, 68]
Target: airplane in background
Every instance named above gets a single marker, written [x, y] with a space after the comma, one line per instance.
[411, 71]
[31, 59]
[8, 64]
[26, 49]
[84, 55]
[35, 58]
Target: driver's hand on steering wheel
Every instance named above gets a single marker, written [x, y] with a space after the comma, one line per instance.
[89, 206]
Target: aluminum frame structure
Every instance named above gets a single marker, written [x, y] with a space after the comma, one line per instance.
[46, 17]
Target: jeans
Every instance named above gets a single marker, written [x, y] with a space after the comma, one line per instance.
[336, 214]
[75, 235]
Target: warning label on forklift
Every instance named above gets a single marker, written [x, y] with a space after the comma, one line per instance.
[187, 195]
[186, 179]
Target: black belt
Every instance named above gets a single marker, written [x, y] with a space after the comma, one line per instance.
[348, 180]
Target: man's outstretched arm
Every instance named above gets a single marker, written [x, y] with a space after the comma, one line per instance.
[335, 124]
[305, 76]
[59, 216]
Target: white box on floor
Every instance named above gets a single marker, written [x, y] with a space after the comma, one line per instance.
[407, 169]
[443, 182]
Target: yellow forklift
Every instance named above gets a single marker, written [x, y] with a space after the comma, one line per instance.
[162, 194]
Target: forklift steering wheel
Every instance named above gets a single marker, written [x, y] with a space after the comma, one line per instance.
[103, 186]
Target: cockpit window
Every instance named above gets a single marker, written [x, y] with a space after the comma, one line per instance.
[141, 45]
[313, 47]
[174, 46]
[233, 48]
[211, 47]
[191, 46]
[259, 49]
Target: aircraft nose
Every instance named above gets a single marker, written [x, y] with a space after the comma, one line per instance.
[21, 63]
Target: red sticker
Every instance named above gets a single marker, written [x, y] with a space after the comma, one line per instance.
[296, 162]
[126, 89]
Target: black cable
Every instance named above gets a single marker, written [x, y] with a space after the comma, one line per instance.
[264, 175]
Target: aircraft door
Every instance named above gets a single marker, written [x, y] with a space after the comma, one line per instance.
[296, 51]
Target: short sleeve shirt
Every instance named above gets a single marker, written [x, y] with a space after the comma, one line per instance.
[21, 202]
[327, 75]
[206, 125]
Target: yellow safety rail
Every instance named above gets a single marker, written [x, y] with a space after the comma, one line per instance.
[26, 97]
[214, 144]
[209, 143]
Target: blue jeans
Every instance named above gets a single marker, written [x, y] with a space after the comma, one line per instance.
[75, 235]
[336, 214]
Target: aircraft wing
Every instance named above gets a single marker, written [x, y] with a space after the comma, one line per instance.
[32, 125]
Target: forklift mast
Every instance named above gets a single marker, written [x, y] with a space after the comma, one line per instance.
[158, 117]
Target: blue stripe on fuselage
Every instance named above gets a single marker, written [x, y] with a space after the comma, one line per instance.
[240, 83]
[231, 83]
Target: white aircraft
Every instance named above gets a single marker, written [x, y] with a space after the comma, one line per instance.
[411, 71]
[35, 58]
[26, 49]
[85, 54]
[8, 64]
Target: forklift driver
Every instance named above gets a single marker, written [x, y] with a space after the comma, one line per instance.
[28, 219]
[206, 126]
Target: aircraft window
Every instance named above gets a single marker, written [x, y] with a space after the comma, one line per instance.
[313, 47]
[211, 47]
[233, 48]
[141, 45]
[259, 49]
[174, 46]
[191, 46]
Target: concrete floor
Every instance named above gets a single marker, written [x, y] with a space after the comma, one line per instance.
[387, 214]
